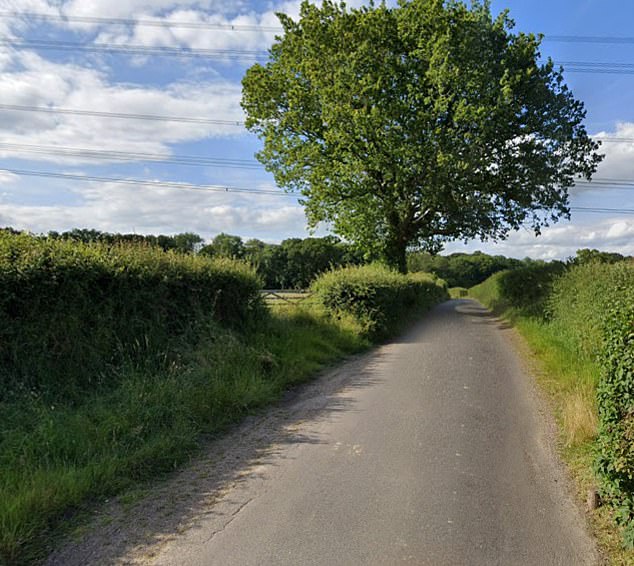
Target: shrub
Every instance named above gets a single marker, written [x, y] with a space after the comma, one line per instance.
[527, 288]
[615, 462]
[377, 297]
[71, 313]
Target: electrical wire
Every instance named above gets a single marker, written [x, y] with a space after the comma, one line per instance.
[139, 22]
[599, 67]
[602, 210]
[154, 117]
[127, 156]
[147, 183]
[62, 18]
[144, 50]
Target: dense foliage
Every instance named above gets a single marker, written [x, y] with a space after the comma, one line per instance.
[71, 313]
[594, 302]
[528, 288]
[292, 264]
[461, 269]
[412, 125]
[186, 242]
[376, 297]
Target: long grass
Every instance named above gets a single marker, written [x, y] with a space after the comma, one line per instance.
[58, 459]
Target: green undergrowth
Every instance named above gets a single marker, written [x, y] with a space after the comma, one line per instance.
[579, 323]
[59, 458]
[73, 314]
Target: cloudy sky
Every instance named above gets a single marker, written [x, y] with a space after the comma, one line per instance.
[61, 110]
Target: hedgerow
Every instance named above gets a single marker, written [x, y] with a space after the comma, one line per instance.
[71, 313]
[615, 393]
[378, 298]
[528, 288]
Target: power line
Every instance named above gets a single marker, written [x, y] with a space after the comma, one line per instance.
[143, 182]
[200, 160]
[127, 156]
[600, 67]
[250, 28]
[589, 39]
[602, 210]
[139, 22]
[145, 50]
[246, 54]
[155, 117]
[185, 119]
[613, 139]
[225, 189]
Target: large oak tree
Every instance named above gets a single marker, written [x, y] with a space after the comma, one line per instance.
[412, 126]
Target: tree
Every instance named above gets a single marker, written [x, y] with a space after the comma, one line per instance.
[587, 255]
[226, 245]
[408, 127]
[187, 242]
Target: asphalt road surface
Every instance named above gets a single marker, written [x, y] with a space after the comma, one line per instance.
[431, 449]
[434, 452]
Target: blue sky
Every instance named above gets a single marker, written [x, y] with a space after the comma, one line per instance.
[209, 88]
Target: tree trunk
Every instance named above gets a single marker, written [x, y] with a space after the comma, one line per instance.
[396, 256]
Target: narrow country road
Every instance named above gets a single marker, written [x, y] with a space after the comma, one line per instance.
[430, 450]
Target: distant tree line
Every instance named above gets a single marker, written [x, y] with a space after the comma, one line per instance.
[187, 242]
[292, 264]
[295, 262]
[461, 269]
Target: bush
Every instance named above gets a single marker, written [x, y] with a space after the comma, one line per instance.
[378, 298]
[590, 313]
[615, 462]
[72, 313]
[528, 288]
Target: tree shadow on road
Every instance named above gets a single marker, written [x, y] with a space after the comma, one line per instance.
[129, 529]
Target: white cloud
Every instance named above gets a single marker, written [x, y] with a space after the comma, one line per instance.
[44, 83]
[619, 155]
[614, 234]
[116, 207]
[7, 178]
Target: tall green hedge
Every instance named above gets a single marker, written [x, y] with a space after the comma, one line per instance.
[71, 313]
[528, 288]
[615, 443]
[378, 298]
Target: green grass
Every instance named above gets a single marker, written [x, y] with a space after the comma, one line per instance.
[59, 459]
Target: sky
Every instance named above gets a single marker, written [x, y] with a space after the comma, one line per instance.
[89, 89]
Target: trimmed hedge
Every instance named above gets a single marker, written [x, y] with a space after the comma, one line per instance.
[72, 313]
[528, 288]
[378, 298]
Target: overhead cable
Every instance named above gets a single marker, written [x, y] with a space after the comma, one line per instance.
[62, 18]
[143, 50]
[127, 156]
[123, 115]
[146, 183]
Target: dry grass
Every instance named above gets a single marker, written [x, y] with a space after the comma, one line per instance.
[579, 415]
